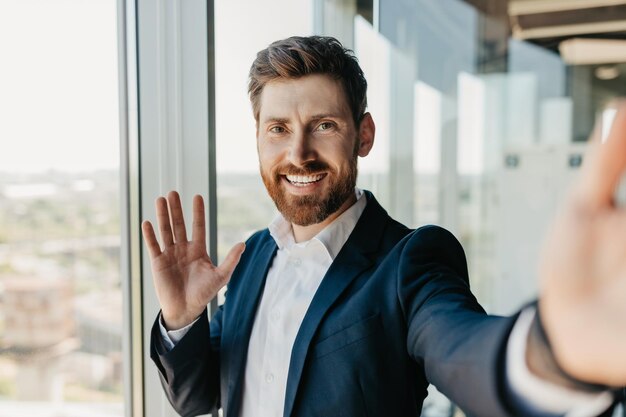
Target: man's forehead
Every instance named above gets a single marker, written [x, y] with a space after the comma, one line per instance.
[313, 96]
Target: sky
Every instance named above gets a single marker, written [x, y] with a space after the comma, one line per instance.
[58, 85]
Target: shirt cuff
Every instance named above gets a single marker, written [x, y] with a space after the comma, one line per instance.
[537, 394]
[172, 337]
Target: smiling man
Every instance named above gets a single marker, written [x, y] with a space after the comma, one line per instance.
[336, 309]
[308, 145]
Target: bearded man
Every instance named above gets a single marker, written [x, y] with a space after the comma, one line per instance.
[336, 309]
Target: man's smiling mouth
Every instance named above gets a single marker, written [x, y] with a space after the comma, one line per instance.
[304, 180]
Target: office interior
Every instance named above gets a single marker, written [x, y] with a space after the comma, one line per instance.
[483, 111]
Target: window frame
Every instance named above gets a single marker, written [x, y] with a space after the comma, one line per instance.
[130, 256]
[167, 134]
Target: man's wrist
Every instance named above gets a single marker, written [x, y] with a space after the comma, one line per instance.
[177, 322]
[542, 362]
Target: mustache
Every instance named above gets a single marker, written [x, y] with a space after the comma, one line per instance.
[313, 167]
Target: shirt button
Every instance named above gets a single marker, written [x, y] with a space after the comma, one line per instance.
[296, 262]
[275, 315]
[269, 377]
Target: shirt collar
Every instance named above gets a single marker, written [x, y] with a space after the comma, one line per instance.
[332, 237]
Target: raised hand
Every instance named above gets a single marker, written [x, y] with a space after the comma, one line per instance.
[184, 277]
[583, 268]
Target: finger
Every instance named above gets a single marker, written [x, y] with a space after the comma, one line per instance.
[605, 163]
[163, 218]
[151, 241]
[228, 265]
[198, 233]
[176, 213]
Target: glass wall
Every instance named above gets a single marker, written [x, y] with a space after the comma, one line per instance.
[61, 314]
[486, 107]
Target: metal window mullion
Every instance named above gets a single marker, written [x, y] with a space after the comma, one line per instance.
[212, 179]
[130, 265]
[174, 137]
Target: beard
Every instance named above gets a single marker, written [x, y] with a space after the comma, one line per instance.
[314, 208]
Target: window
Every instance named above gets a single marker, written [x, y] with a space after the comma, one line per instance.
[61, 314]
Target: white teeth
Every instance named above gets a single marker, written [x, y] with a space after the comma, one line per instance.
[304, 179]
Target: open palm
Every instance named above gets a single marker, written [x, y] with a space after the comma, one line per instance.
[184, 277]
[583, 270]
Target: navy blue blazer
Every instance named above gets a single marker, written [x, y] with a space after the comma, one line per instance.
[393, 313]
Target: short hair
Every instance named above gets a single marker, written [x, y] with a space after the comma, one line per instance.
[298, 56]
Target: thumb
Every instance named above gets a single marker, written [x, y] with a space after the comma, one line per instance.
[229, 263]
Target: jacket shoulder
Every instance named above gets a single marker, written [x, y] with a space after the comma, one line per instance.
[432, 244]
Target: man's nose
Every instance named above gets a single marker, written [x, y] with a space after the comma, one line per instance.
[301, 150]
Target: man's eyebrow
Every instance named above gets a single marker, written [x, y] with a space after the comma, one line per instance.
[324, 116]
[275, 120]
[315, 117]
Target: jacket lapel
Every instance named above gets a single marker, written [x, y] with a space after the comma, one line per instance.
[245, 311]
[351, 261]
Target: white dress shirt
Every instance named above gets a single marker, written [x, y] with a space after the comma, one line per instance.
[296, 272]
[292, 280]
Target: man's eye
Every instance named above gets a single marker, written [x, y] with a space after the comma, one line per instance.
[277, 129]
[325, 126]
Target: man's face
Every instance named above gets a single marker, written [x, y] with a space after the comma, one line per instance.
[308, 147]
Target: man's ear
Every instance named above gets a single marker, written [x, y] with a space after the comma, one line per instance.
[367, 131]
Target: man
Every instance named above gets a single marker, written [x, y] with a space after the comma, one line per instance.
[338, 310]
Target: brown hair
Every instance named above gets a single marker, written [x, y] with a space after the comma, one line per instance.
[299, 56]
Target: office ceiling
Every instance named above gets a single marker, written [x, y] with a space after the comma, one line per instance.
[550, 22]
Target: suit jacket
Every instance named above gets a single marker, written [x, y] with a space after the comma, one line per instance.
[393, 313]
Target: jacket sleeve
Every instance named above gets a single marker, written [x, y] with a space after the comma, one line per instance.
[189, 372]
[461, 348]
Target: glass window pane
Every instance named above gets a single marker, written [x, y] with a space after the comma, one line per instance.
[60, 289]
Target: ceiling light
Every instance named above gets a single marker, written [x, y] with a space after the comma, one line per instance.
[607, 72]
[584, 51]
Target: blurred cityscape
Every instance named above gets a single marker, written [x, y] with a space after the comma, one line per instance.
[60, 295]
